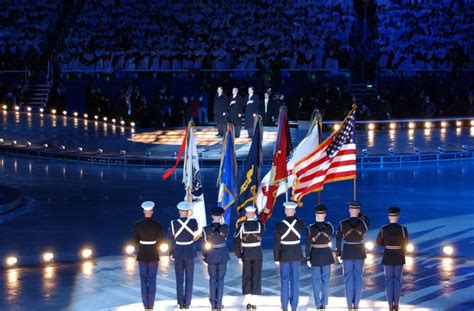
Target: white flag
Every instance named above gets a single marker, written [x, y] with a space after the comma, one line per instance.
[193, 182]
[302, 150]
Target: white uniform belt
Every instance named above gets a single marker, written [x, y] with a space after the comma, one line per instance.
[319, 245]
[147, 242]
[392, 247]
[217, 245]
[290, 242]
[251, 244]
[353, 243]
[184, 243]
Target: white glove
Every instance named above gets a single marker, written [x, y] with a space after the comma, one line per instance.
[277, 263]
[339, 259]
[308, 263]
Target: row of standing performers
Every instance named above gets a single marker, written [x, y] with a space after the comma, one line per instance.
[288, 254]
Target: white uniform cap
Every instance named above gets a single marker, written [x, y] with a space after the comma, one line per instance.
[184, 206]
[250, 209]
[148, 205]
[290, 205]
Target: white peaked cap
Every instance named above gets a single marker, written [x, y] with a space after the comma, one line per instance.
[148, 205]
[290, 205]
[184, 206]
[250, 209]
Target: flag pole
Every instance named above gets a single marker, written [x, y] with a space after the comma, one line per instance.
[286, 189]
[355, 188]
[319, 197]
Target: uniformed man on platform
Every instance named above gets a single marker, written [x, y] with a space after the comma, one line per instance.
[319, 255]
[248, 247]
[216, 256]
[394, 237]
[147, 235]
[352, 231]
[288, 254]
[221, 105]
[182, 232]
[236, 107]
[252, 103]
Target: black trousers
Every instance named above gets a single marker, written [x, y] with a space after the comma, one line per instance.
[252, 277]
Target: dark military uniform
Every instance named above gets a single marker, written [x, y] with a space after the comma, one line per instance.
[236, 106]
[352, 230]
[182, 232]
[319, 255]
[394, 238]
[147, 234]
[216, 256]
[247, 246]
[287, 251]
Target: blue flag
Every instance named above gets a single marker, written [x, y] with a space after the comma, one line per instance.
[227, 171]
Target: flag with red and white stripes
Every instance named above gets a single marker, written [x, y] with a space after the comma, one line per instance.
[333, 160]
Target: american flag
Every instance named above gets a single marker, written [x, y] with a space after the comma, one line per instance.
[333, 160]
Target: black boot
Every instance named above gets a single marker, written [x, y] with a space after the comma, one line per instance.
[249, 307]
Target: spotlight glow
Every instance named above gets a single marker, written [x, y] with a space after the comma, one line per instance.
[75, 114]
[11, 261]
[122, 122]
[113, 121]
[17, 108]
[410, 248]
[41, 110]
[371, 126]
[129, 250]
[393, 126]
[444, 124]
[369, 246]
[53, 111]
[86, 253]
[472, 122]
[428, 124]
[105, 119]
[64, 112]
[5, 107]
[132, 124]
[96, 117]
[28, 109]
[164, 247]
[336, 127]
[411, 125]
[86, 115]
[448, 250]
[458, 123]
[48, 257]
[207, 246]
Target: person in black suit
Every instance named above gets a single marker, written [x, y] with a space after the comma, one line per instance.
[221, 105]
[251, 109]
[147, 234]
[236, 106]
[267, 110]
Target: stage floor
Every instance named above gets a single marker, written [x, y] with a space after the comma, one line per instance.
[56, 130]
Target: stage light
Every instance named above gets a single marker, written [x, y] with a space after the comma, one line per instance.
[410, 248]
[11, 261]
[371, 126]
[105, 119]
[369, 246]
[64, 112]
[444, 124]
[123, 153]
[96, 117]
[464, 148]
[336, 127]
[79, 149]
[113, 121]
[207, 246]
[28, 144]
[129, 250]
[365, 152]
[132, 124]
[17, 108]
[428, 124]
[448, 250]
[86, 115]
[45, 146]
[472, 122]
[391, 150]
[393, 126]
[100, 151]
[86, 253]
[14, 142]
[164, 247]
[28, 109]
[75, 114]
[41, 110]
[5, 107]
[122, 122]
[53, 111]
[416, 149]
[48, 257]
[440, 149]
[411, 125]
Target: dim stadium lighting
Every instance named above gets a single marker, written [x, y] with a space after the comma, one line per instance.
[17, 108]
[75, 114]
[5, 107]
[444, 124]
[458, 123]
[207, 246]
[86, 116]
[96, 117]
[164, 247]
[448, 250]
[28, 109]
[113, 121]
[132, 124]
[410, 248]
[472, 122]
[336, 127]
[86, 253]
[48, 257]
[122, 122]
[393, 126]
[105, 119]
[369, 246]
[41, 110]
[53, 111]
[11, 261]
[428, 124]
[371, 126]
[411, 125]
[129, 250]
[64, 113]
